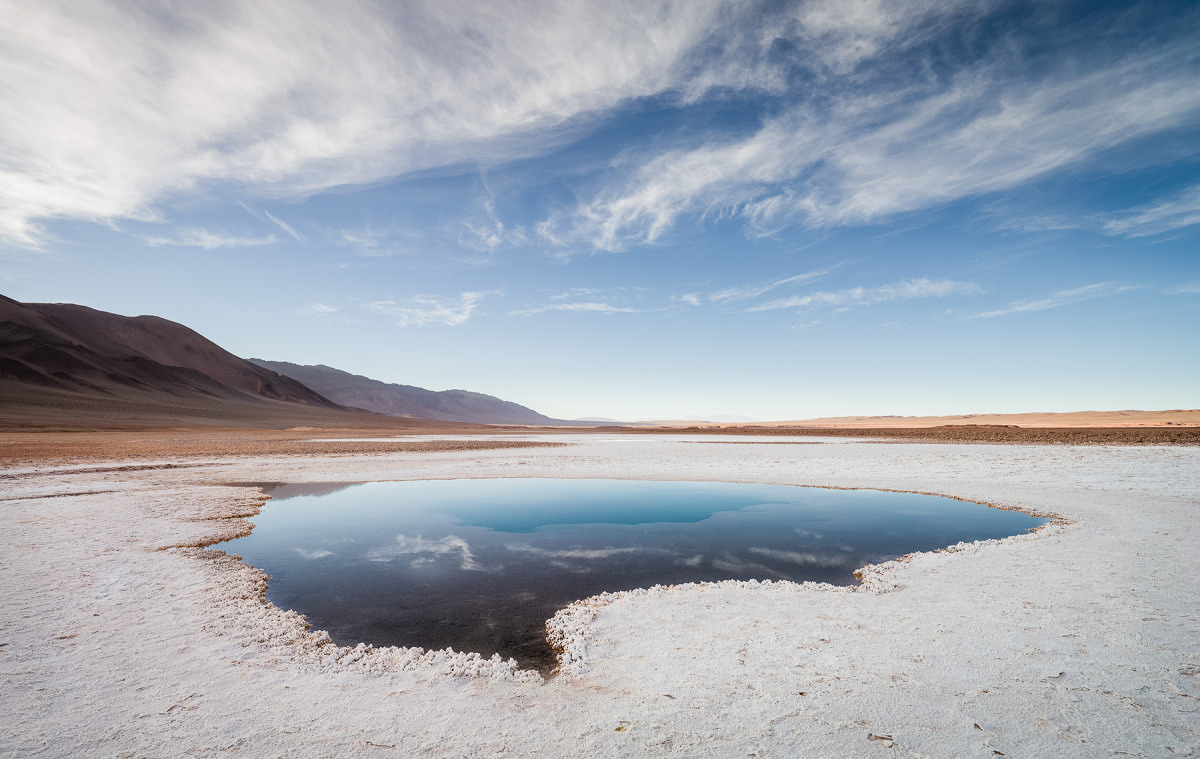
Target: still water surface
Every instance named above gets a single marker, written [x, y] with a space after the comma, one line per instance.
[480, 565]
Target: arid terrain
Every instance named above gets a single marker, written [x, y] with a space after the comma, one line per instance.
[125, 636]
[130, 445]
[74, 380]
[28, 446]
[961, 433]
[1127, 418]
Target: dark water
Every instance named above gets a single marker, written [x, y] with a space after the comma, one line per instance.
[480, 565]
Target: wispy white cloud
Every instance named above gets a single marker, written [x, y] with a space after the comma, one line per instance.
[1177, 212]
[267, 216]
[590, 306]
[908, 289]
[747, 292]
[421, 310]
[1058, 299]
[692, 299]
[877, 152]
[489, 237]
[490, 234]
[585, 300]
[1186, 288]
[317, 309]
[196, 237]
[575, 292]
[377, 242]
[365, 239]
[842, 34]
[111, 108]
[284, 226]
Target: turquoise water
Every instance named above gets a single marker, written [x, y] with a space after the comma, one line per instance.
[480, 565]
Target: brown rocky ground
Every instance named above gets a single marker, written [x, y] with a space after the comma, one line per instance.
[1123, 418]
[49, 446]
[27, 448]
[962, 433]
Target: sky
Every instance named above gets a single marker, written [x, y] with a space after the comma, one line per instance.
[630, 210]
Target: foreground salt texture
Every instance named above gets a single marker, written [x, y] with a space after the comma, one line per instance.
[1082, 640]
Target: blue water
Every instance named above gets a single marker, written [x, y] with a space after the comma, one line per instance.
[480, 565]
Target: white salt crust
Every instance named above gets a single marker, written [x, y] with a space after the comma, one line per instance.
[117, 639]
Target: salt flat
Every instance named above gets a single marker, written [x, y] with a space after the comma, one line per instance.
[1080, 641]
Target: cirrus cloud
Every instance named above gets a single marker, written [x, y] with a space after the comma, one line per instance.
[908, 289]
[421, 310]
[591, 306]
[1058, 299]
[1179, 211]
[196, 237]
[112, 107]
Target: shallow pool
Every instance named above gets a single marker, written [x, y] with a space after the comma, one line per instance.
[480, 565]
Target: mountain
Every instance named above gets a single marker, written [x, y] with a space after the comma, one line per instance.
[405, 400]
[68, 365]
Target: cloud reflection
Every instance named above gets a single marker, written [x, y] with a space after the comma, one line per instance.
[423, 551]
[800, 559]
[572, 553]
[733, 565]
[312, 554]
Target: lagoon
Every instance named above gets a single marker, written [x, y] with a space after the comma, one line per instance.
[481, 564]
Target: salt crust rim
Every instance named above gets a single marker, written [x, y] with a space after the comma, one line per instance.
[282, 635]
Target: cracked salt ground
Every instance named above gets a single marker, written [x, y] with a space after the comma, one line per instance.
[1081, 641]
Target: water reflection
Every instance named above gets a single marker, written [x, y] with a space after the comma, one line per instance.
[479, 565]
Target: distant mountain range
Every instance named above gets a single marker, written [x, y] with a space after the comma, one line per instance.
[69, 366]
[64, 347]
[405, 400]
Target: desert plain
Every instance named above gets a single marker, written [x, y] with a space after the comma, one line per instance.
[252, 250]
[125, 635]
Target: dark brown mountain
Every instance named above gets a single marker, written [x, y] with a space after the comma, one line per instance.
[405, 400]
[72, 366]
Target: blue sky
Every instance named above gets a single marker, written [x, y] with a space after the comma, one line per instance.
[630, 210]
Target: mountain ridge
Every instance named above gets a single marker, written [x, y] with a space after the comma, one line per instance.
[77, 348]
[394, 399]
[69, 366]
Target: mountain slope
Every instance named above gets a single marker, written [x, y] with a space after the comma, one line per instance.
[405, 400]
[81, 349]
[76, 367]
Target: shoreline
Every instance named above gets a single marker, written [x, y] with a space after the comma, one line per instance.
[39, 448]
[915, 658]
[868, 578]
[956, 433]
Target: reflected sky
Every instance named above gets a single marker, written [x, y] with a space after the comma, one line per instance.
[480, 565]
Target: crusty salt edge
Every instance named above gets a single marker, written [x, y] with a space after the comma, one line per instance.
[241, 609]
[568, 630]
[281, 634]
